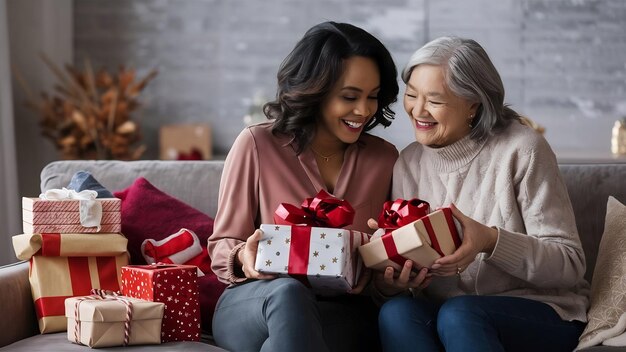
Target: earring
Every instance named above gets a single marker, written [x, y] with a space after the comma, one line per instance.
[471, 120]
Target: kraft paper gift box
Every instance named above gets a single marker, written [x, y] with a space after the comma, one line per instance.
[68, 265]
[102, 321]
[325, 259]
[63, 216]
[177, 287]
[191, 141]
[423, 241]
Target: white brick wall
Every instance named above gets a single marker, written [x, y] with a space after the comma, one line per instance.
[563, 62]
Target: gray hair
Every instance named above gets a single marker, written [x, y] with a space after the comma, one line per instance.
[469, 74]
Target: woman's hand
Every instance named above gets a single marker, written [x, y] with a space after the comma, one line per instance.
[477, 238]
[389, 283]
[247, 257]
[365, 278]
[372, 224]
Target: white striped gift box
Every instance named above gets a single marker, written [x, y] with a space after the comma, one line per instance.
[45, 205]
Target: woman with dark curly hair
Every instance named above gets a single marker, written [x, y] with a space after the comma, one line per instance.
[336, 84]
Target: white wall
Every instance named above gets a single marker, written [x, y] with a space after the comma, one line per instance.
[35, 26]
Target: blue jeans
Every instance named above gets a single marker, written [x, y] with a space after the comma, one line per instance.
[283, 315]
[475, 323]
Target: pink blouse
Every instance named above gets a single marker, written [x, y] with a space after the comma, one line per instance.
[263, 170]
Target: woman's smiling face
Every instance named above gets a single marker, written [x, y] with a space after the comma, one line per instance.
[439, 117]
[352, 102]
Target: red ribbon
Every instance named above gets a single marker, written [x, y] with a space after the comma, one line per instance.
[50, 245]
[401, 212]
[80, 280]
[162, 251]
[324, 210]
[396, 214]
[453, 230]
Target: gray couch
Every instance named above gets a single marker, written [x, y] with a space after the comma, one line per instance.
[197, 183]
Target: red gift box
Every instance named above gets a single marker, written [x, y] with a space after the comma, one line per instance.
[174, 285]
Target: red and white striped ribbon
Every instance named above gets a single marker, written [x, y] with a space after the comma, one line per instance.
[98, 294]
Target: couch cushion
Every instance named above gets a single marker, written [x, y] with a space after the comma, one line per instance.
[59, 342]
[607, 315]
[589, 186]
[194, 182]
[149, 213]
[16, 304]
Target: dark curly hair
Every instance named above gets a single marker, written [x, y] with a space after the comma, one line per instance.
[309, 72]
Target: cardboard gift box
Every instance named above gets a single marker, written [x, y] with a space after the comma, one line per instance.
[323, 258]
[423, 241]
[186, 142]
[64, 216]
[177, 287]
[113, 321]
[68, 265]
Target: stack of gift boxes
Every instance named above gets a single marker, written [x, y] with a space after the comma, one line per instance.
[81, 281]
[66, 258]
[74, 259]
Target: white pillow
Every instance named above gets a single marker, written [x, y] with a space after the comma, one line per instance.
[607, 315]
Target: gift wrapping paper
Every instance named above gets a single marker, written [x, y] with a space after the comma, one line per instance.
[174, 285]
[77, 228]
[67, 205]
[68, 245]
[66, 217]
[64, 266]
[63, 216]
[54, 279]
[323, 258]
[422, 241]
[101, 321]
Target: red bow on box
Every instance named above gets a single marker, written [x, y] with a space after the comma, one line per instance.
[400, 212]
[324, 210]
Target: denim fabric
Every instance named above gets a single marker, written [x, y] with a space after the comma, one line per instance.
[83, 180]
[283, 315]
[475, 323]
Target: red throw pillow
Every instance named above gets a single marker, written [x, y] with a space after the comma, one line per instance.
[149, 213]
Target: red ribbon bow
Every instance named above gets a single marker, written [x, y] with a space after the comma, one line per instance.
[400, 212]
[324, 210]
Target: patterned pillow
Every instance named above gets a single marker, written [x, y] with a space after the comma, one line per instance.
[607, 315]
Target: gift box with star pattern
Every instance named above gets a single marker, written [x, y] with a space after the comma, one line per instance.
[323, 258]
[176, 286]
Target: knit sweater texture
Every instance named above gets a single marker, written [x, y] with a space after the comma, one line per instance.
[511, 181]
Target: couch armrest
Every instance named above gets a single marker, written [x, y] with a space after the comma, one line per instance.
[18, 319]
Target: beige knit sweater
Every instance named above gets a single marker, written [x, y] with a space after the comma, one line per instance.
[511, 181]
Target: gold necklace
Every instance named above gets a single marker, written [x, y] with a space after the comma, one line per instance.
[325, 157]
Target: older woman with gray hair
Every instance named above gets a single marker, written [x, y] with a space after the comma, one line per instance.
[516, 282]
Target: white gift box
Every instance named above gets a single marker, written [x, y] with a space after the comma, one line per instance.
[325, 258]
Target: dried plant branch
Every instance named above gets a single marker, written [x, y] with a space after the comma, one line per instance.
[84, 123]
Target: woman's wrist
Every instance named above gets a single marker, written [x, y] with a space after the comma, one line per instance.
[492, 234]
[239, 256]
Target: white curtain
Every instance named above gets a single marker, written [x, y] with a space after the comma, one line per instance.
[9, 201]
